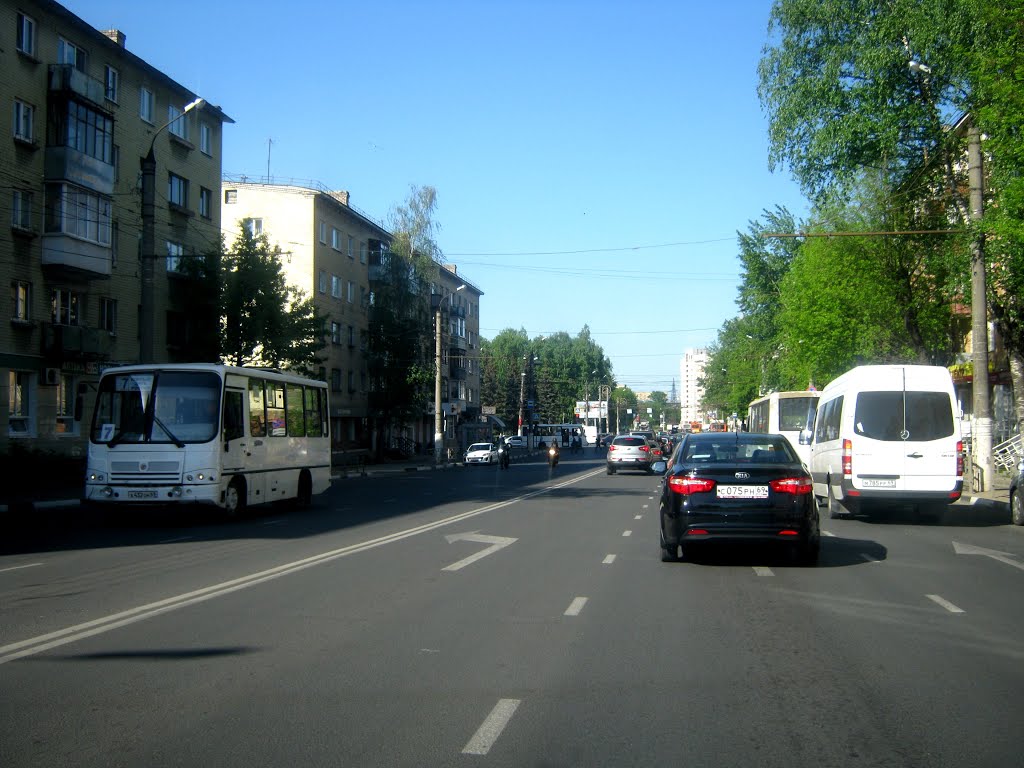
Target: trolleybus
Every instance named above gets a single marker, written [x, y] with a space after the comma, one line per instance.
[785, 413]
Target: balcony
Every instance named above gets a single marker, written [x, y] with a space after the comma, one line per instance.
[79, 257]
[458, 343]
[66, 164]
[64, 78]
[75, 342]
[457, 372]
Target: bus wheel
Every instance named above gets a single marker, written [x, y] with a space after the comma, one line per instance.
[304, 497]
[234, 498]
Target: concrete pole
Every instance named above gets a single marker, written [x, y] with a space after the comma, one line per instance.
[981, 430]
[147, 317]
[438, 416]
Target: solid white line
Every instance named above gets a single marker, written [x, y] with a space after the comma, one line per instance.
[50, 640]
[491, 728]
[761, 570]
[869, 558]
[945, 604]
[19, 567]
[627, 533]
[575, 606]
[608, 560]
[177, 539]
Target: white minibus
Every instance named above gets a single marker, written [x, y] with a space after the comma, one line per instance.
[887, 433]
[203, 433]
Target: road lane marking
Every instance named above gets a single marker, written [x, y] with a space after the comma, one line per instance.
[19, 567]
[627, 533]
[496, 542]
[608, 560]
[945, 604]
[761, 570]
[638, 517]
[575, 607]
[33, 645]
[828, 533]
[995, 554]
[645, 506]
[491, 728]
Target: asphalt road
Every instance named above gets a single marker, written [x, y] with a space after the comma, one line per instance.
[475, 617]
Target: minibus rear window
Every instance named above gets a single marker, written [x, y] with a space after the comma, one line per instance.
[921, 416]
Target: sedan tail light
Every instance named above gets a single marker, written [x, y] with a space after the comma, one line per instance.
[686, 485]
[795, 485]
[645, 448]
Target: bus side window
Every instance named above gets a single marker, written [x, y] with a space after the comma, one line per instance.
[233, 419]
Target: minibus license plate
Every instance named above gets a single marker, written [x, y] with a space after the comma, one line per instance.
[743, 491]
[141, 494]
[876, 483]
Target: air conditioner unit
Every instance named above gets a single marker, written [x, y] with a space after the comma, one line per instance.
[51, 377]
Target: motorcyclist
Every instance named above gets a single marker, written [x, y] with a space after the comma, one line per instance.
[553, 453]
[504, 451]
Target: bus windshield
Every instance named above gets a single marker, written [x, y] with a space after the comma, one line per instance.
[157, 407]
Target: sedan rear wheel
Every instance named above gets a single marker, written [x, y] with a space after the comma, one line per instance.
[669, 553]
[1017, 508]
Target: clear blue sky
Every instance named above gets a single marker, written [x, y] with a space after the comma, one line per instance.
[593, 159]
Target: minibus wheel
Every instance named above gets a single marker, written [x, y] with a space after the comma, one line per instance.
[234, 498]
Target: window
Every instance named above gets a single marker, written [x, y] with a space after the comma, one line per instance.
[75, 211]
[205, 138]
[257, 414]
[296, 411]
[275, 409]
[335, 286]
[64, 307]
[146, 104]
[175, 256]
[323, 232]
[112, 83]
[24, 120]
[335, 380]
[351, 381]
[351, 246]
[69, 53]
[26, 35]
[254, 227]
[350, 292]
[335, 239]
[362, 253]
[21, 297]
[205, 203]
[19, 388]
[87, 130]
[108, 315]
[230, 196]
[66, 405]
[898, 416]
[351, 336]
[177, 190]
[335, 333]
[322, 281]
[177, 122]
[21, 210]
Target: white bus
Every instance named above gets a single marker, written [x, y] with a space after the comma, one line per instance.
[784, 413]
[564, 433]
[202, 433]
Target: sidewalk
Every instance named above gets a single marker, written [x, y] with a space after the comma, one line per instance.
[997, 496]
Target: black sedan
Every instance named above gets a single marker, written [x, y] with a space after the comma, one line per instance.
[737, 486]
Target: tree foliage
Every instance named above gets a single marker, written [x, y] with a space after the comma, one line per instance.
[265, 321]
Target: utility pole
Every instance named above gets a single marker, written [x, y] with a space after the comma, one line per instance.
[981, 429]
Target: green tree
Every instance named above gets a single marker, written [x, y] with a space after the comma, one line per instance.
[400, 354]
[503, 361]
[265, 321]
[623, 401]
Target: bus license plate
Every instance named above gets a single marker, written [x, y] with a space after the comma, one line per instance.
[743, 491]
[141, 494]
[876, 483]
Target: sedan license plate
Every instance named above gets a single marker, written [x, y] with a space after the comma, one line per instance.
[878, 483]
[743, 491]
[141, 494]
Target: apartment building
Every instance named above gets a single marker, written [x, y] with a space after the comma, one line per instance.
[460, 361]
[691, 393]
[82, 113]
[326, 246]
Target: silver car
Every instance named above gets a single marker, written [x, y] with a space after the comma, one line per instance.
[630, 452]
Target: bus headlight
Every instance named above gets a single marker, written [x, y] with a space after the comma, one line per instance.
[97, 477]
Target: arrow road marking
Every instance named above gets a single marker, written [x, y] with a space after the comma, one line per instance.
[496, 542]
[995, 554]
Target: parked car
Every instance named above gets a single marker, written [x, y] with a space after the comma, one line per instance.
[516, 441]
[1017, 496]
[737, 486]
[481, 453]
[630, 452]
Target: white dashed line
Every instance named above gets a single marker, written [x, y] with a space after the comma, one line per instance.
[19, 567]
[945, 604]
[608, 559]
[638, 517]
[575, 607]
[761, 570]
[828, 533]
[491, 728]
[627, 533]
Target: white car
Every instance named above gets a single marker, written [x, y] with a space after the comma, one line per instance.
[515, 441]
[481, 453]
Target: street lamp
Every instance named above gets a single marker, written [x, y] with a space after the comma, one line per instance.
[528, 360]
[147, 320]
[438, 416]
